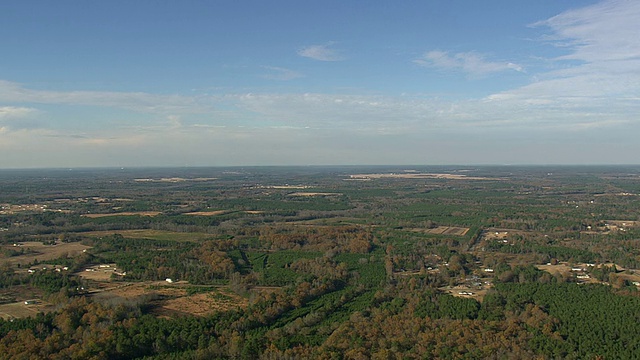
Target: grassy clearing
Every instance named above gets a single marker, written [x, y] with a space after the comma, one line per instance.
[41, 252]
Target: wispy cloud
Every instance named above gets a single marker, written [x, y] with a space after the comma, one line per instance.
[321, 52]
[603, 48]
[366, 113]
[472, 63]
[408, 115]
[283, 74]
[317, 128]
[17, 117]
[591, 94]
[606, 31]
[15, 112]
[136, 101]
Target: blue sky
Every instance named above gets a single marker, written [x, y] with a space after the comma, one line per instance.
[200, 83]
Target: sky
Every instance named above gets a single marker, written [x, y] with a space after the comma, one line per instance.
[337, 82]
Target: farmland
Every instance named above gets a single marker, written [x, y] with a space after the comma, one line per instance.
[286, 262]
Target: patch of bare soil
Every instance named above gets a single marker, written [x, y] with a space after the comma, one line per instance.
[172, 299]
[203, 304]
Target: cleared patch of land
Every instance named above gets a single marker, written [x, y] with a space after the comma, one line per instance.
[581, 271]
[559, 268]
[21, 310]
[102, 272]
[206, 303]
[35, 250]
[499, 234]
[126, 213]
[173, 299]
[444, 230]
[467, 292]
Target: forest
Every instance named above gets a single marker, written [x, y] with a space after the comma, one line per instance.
[423, 262]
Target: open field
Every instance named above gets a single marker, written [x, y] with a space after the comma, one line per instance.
[168, 299]
[171, 299]
[202, 304]
[560, 268]
[100, 272]
[40, 252]
[127, 213]
[443, 230]
[21, 310]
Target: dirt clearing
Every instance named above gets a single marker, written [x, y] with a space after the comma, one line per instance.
[173, 299]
